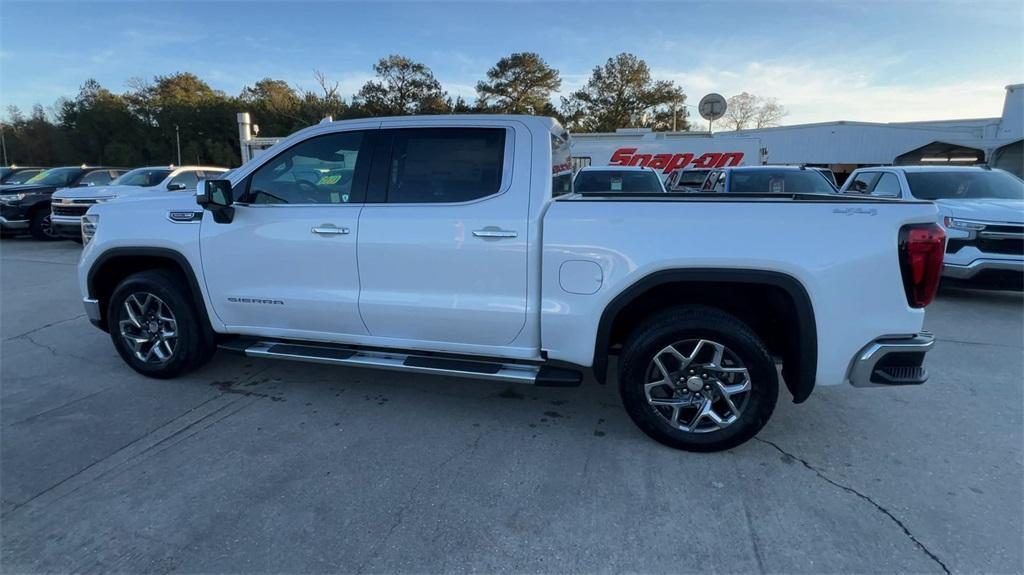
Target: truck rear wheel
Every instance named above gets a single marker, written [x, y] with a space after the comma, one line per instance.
[698, 379]
[155, 326]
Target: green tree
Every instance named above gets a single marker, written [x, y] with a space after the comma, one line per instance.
[103, 127]
[278, 107]
[182, 105]
[34, 140]
[327, 102]
[521, 83]
[622, 94]
[402, 87]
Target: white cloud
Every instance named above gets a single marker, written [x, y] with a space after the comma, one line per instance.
[814, 93]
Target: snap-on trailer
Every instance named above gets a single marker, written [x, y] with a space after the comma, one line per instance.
[664, 151]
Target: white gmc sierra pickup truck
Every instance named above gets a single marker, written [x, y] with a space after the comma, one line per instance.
[456, 246]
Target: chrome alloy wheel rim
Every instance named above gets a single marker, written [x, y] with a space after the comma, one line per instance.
[697, 385]
[149, 328]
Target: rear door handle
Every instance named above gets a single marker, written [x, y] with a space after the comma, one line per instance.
[490, 232]
[329, 230]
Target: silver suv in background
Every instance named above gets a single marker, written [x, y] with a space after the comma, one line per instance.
[981, 209]
[69, 204]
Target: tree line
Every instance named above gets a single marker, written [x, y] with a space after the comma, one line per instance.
[144, 124]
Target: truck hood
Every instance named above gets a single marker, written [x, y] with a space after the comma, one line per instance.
[94, 192]
[22, 188]
[984, 209]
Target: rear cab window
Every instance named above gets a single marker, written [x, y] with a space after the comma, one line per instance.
[618, 181]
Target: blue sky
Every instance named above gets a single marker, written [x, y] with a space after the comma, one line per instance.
[870, 61]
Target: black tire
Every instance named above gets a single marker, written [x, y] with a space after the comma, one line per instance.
[689, 323]
[39, 226]
[194, 342]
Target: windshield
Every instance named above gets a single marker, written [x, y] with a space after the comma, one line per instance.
[693, 178]
[639, 182]
[144, 177]
[55, 177]
[965, 185]
[782, 182]
[10, 177]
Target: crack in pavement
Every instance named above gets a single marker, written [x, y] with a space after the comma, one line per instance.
[136, 449]
[867, 498]
[40, 261]
[51, 324]
[55, 353]
[968, 342]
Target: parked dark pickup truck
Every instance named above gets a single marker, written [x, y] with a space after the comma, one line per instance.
[26, 207]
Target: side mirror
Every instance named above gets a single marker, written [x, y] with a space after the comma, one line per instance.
[216, 197]
[176, 187]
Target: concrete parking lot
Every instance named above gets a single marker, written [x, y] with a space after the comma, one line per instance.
[250, 465]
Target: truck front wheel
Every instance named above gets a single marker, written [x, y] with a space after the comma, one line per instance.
[40, 227]
[155, 326]
[698, 379]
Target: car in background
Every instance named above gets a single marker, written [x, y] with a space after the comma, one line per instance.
[982, 210]
[70, 204]
[14, 175]
[625, 179]
[767, 179]
[26, 207]
[686, 179]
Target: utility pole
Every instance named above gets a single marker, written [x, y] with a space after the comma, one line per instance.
[177, 138]
[3, 143]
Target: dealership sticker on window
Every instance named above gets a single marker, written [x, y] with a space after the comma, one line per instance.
[616, 185]
[328, 180]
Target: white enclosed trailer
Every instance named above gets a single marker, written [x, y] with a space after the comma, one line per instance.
[664, 151]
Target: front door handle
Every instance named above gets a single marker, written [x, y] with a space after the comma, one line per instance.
[491, 232]
[329, 230]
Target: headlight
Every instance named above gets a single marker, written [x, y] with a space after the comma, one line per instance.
[89, 224]
[11, 198]
[966, 225]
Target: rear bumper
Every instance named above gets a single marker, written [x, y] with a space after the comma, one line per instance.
[889, 361]
[968, 271]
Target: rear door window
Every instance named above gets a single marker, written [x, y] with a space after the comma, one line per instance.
[445, 165]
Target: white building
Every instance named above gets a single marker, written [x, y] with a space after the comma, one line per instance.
[842, 146]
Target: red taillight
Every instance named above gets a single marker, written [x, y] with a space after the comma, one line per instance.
[921, 249]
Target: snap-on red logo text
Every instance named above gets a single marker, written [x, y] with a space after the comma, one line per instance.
[669, 162]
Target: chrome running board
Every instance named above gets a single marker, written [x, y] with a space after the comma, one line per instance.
[434, 365]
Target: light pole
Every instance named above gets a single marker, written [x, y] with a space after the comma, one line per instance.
[3, 143]
[177, 138]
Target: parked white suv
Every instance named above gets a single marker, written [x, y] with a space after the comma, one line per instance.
[982, 210]
[438, 245]
[68, 204]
